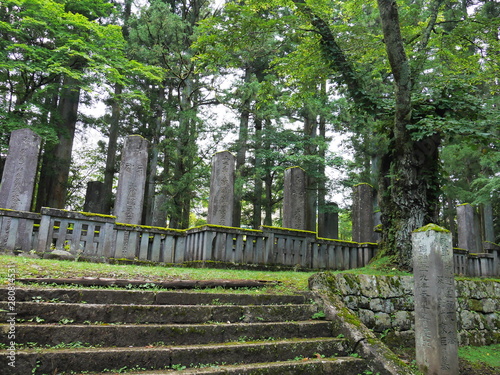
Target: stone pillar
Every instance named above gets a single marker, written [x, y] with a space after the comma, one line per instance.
[131, 180]
[295, 199]
[94, 197]
[221, 202]
[159, 211]
[489, 229]
[435, 301]
[329, 220]
[362, 213]
[468, 237]
[18, 180]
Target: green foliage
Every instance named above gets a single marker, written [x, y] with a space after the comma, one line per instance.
[320, 315]
[43, 40]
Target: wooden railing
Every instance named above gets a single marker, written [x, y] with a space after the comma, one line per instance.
[100, 238]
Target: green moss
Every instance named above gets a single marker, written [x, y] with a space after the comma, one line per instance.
[352, 280]
[96, 215]
[364, 183]
[136, 226]
[331, 239]
[290, 229]
[296, 166]
[433, 227]
[224, 227]
[221, 152]
[348, 317]
[394, 281]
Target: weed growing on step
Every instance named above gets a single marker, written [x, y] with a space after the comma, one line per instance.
[178, 367]
[66, 321]
[208, 365]
[62, 345]
[320, 315]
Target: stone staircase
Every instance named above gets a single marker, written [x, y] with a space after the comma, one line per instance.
[90, 331]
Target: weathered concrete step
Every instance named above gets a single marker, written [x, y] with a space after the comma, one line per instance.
[339, 365]
[153, 334]
[137, 297]
[157, 314]
[99, 359]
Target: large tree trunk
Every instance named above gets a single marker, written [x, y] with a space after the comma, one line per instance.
[184, 162]
[110, 169]
[242, 144]
[153, 159]
[257, 192]
[56, 162]
[322, 189]
[114, 126]
[408, 181]
[310, 130]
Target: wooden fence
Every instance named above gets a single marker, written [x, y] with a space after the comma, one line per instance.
[100, 238]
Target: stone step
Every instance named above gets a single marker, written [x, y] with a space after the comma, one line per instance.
[43, 335]
[139, 297]
[44, 312]
[305, 366]
[51, 361]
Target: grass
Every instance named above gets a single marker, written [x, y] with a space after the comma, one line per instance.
[291, 281]
[489, 355]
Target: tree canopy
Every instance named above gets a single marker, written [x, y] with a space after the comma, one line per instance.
[412, 86]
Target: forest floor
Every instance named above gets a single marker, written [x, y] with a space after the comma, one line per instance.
[473, 360]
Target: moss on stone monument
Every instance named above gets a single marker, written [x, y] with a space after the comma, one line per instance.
[433, 227]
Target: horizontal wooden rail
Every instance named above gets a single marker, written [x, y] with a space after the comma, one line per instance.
[101, 238]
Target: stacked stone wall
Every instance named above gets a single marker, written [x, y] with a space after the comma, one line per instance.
[385, 304]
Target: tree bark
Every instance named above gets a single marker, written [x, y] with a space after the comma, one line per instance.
[310, 130]
[56, 162]
[257, 192]
[241, 153]
[153, 159]
[408, 185]
[110, 169]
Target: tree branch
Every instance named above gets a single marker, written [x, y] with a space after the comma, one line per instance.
[337, 59]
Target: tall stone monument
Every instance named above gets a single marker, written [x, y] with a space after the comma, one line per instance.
[295, 199]
[16, 190]
[221, 201]
[469, 236]
[328, 221]
[94, 197]
[489, 228]
[363, 222]
[131, 180]
[159, 211]
[435, 311]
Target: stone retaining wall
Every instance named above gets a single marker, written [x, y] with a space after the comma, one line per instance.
[385, 304]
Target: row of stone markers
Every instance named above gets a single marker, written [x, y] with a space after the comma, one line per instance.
[101, 237]
[17, 188]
